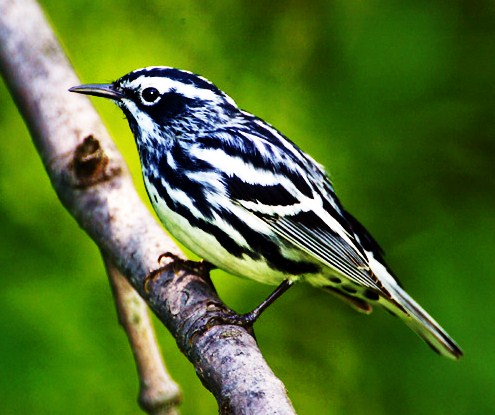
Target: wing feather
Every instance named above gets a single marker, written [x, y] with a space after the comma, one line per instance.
[325, 246]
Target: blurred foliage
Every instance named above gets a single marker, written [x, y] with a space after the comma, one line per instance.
[395, 98]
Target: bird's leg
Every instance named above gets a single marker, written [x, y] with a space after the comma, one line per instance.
[202, 268]
[248, 319]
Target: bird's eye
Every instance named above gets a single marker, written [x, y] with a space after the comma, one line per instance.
[150, 95]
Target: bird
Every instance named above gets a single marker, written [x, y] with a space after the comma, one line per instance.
[239, 194]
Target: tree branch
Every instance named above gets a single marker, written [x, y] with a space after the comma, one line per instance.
[92, 181]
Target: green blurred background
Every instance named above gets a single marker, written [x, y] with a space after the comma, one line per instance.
[395, 98]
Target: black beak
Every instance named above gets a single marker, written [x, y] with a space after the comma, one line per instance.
[99, 90]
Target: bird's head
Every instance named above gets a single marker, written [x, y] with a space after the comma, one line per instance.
[165, 102]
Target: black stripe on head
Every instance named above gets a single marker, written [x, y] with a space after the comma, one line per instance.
[185, 78]
[171, 73]
[170, 105]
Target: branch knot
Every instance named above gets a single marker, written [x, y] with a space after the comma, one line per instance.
[90, 164]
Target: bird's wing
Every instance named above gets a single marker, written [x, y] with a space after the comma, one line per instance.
[270, 177]
[304, 220]
[328, 245]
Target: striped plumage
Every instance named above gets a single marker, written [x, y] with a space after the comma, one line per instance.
[242, 196]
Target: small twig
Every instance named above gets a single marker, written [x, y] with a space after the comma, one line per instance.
[159, 394]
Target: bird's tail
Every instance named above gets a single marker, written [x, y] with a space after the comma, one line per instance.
[402, 305]
[421, 323]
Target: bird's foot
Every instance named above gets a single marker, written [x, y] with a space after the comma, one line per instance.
[244, 320]
[228, 317]
[247, 320]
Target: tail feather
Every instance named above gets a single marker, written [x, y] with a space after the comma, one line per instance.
[422, 324]
[402, 305]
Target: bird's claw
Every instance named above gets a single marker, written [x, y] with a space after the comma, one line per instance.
[225, 318]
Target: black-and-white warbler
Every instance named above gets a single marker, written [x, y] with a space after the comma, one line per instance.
[242, 196]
